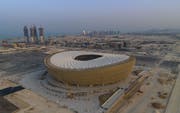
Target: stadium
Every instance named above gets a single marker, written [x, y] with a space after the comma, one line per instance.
[84, 68]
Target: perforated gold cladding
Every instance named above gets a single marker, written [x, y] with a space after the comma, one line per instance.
[95, 76]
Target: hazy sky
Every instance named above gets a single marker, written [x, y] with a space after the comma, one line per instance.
[72, 16]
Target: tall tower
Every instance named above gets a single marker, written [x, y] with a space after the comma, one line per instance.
[26, 34]
[33, 33]
[84, 32]
[41, 34]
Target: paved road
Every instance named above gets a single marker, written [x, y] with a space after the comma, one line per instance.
[140, 106]
[174, 102]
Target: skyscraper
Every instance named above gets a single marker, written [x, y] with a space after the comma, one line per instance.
[41, 34]
[33, 33]
[84, 32]
[26, 34]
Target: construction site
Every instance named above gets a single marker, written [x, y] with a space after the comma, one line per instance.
[53, 79]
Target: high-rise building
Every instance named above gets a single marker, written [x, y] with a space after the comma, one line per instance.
[41, 34]
[84, 32]
[26, 34]
[31, 35]
[34, 35]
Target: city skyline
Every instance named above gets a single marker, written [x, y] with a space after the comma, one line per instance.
[70, 17]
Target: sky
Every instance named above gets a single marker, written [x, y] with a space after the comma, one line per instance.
[73, 16]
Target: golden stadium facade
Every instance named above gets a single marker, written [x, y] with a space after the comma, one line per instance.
[84, 68]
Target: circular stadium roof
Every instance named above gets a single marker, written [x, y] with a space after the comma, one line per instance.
[85, 60]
